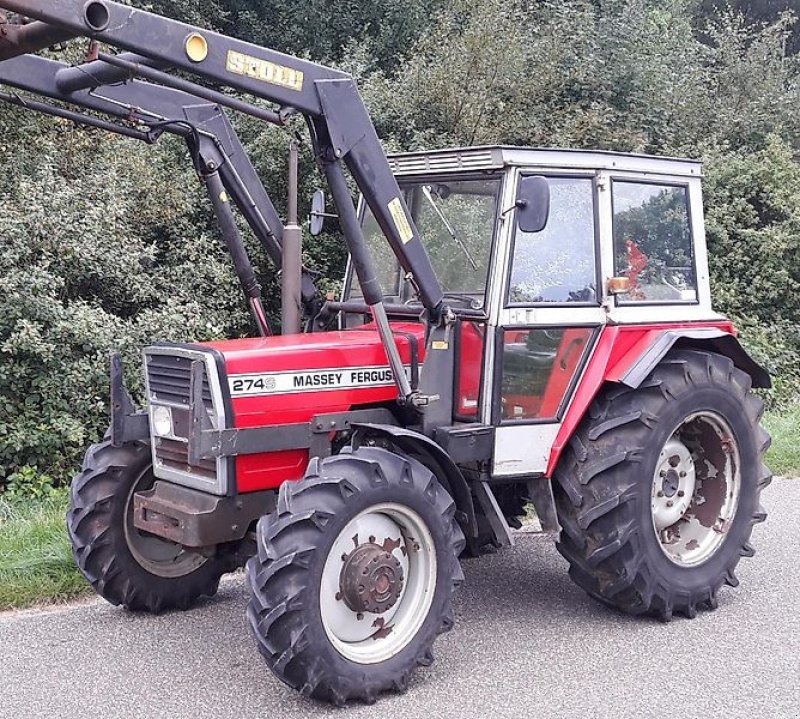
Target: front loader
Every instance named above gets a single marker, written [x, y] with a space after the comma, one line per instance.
[517, 327]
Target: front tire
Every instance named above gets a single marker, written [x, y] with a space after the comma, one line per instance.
[658, 490]
[354, 575]
[125, 566]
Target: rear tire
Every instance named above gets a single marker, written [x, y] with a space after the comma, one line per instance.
[695, 413]
[321, 641]
[106, 545]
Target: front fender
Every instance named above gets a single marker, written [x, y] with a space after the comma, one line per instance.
[438, 461]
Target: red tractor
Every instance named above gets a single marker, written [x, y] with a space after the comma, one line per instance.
[517, 327]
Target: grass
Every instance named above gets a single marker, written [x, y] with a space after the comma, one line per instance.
[783, 456]
[36, 565]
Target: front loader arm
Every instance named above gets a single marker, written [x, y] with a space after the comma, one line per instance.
[342, 131]
[328, 96]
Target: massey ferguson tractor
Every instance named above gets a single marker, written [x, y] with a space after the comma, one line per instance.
[517, 327]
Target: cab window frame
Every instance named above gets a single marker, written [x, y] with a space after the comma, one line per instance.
[619, 300]
[502, 178]
[593, 178]
[497, 380]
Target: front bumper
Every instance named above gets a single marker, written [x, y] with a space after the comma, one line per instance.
[194, 518]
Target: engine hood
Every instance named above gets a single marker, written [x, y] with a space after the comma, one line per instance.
[274, 381]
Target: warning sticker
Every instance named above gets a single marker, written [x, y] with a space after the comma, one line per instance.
[400, 220]
[244, 385]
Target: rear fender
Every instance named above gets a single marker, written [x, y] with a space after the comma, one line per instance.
[436, 459]
[708, 339]
[617, 360]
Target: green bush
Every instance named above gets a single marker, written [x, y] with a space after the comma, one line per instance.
[28, 483]
[107, 244]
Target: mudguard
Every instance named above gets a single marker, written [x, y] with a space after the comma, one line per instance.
[707, 338]
[438, 461]
[627, 354]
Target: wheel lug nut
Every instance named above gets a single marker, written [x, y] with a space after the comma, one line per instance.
[669, 503]
[663, 473]
[681, 493]
[683, 474]
[372, 540]
[660, 494]
[359, 616]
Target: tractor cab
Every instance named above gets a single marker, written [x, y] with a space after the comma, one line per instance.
[623, 244]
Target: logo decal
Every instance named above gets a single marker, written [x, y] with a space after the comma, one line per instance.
[264, 70]
[244, 385]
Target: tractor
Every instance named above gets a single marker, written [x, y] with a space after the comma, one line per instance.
[517, 328]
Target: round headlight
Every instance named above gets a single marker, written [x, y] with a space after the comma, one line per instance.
[162, 421]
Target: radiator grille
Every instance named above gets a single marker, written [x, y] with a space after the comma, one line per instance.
[169, 378]
[169, 383]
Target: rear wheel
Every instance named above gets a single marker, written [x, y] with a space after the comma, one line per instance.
[659, 488]
[124, 565]
[354, 575]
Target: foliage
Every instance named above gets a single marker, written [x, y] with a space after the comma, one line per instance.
[28, 483]
[36, 564]
[107, 244]
[317, 28]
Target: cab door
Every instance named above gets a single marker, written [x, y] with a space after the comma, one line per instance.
[547, 317]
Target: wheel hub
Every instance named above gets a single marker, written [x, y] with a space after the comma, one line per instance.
[696, 489]
[378, 582]
[674, 484]
[371, 579]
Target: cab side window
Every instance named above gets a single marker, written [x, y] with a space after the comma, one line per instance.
[653, 242]
[557, 265]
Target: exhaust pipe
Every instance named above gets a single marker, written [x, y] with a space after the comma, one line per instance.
[292, 254]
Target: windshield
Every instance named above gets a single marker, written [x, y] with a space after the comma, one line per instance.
[456, 220]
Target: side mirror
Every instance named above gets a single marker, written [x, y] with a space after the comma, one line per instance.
[318, 213]
[533, 203]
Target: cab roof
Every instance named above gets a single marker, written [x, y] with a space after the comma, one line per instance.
[497, 157]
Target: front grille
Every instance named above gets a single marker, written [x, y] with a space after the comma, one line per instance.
[169, 378]
[174, 454]
[169, 383]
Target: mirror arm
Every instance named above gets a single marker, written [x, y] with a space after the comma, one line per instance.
[518, 205]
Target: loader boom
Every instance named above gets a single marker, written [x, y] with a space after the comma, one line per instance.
[341, 129]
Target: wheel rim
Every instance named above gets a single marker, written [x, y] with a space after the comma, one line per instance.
[158, 556]
[696, 488]
[378, 583]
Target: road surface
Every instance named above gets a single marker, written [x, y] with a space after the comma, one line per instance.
[527, 643]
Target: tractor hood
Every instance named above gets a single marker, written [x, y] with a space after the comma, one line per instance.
[281, 380]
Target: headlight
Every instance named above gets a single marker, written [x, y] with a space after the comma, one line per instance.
[162, 421]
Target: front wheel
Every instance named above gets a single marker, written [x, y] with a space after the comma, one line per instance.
[354, 575]
[659, 488]
[126, 566]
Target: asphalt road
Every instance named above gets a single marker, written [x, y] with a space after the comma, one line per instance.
[527, 643]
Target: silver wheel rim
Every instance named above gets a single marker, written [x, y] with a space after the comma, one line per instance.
[154, 554]
[696, 487]
[399, 537]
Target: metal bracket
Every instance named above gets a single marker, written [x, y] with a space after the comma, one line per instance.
[127, 424]
[540, 494]
[494, 514]
[207, 442]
